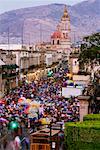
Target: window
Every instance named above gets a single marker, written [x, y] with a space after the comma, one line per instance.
[64, 35]
[53, 42]
[58, 42]
[75, 62]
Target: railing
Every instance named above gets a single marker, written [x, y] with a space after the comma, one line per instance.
[10, 75]
[38, 146]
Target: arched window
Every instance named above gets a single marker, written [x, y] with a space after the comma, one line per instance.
[53, 42]
[64, 35]
[75, 63]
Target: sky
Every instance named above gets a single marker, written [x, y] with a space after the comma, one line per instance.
[6, 5]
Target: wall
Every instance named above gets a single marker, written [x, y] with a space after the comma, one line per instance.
[49, 59]
[82, 78]
[74, 65]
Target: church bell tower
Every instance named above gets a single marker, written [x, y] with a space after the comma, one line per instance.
[65, 30]
[61, 37]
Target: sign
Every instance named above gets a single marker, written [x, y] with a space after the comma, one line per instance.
[71, 91]
[53, 145]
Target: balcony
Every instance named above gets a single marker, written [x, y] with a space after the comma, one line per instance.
[10, 75]
[12, 66]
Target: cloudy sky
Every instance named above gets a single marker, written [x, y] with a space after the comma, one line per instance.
[6, 5]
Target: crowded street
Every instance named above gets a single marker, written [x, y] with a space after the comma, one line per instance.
[50, 75]
[28, 107]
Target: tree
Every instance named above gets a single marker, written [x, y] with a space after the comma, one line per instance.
[90, 50]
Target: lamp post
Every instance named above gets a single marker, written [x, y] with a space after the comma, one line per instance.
[50, 135]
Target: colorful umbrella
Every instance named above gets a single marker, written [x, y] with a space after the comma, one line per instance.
[69, 81]
[21, 99]
[33, 115]
[26, 102]
[44, 121]
[50, 73]
[35, 104]
[2, 101]
[3, 120]
[69, 75]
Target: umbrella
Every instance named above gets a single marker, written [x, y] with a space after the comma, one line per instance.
[2, 101]
[69, 75]
[26, 111]
[35, 104]
[32, 110]
[50, 73]
[13, 125]
[71, 84]
[3, 120]
[50, 104]
[26, 102]
[44, 121]
[33, 115]
[69, 81]
[21, 99]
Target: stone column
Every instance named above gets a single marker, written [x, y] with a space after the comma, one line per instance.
[84, 103]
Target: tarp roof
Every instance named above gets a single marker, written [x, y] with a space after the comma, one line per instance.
[1, 63]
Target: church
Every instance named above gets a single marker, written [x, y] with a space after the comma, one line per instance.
[60, 39]
[60, 43]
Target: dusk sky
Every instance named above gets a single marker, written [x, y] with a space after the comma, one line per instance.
[6, 5]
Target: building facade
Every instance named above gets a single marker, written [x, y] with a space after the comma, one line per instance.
[8, 73]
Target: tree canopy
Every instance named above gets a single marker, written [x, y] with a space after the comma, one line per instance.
[90, 49]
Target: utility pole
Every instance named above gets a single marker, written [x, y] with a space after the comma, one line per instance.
[8, 38]
[22, 36]
[22, 42]
[74, 38]
[51, 135]
[40, 33]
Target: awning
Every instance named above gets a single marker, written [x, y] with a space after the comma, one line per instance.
[12, 66]
[1, 63]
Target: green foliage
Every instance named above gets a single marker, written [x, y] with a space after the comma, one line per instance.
[90, 49]
[82, 135]
[92, 117]
[93, 40]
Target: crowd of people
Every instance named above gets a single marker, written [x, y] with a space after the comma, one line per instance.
[49, 105]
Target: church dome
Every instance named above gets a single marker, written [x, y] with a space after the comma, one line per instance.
[56, 34]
